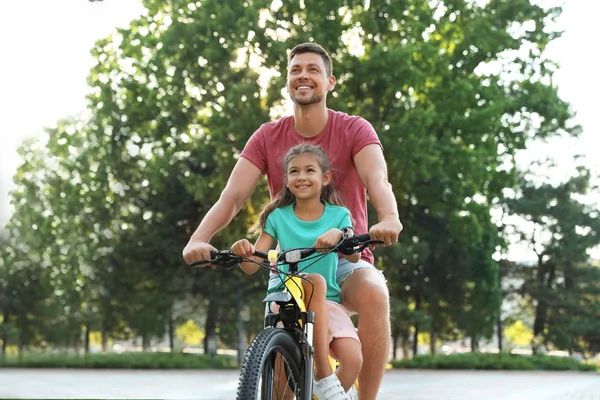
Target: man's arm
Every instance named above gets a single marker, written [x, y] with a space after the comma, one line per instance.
[372, 169]
[239, 188]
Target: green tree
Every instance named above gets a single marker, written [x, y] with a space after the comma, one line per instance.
[180, 83]
[174, 97]
[27, 299]
[563, 286]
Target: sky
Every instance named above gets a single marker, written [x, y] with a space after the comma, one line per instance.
[46, 59]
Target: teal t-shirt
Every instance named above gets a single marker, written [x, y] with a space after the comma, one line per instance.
[291, 232]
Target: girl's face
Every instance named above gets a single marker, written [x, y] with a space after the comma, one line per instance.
[305, 178]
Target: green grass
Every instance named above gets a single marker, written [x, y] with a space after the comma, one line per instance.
[141, 360]
[502, 361]
[151, 360]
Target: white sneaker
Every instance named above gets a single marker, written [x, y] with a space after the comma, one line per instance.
[329, 388]
[352, 394]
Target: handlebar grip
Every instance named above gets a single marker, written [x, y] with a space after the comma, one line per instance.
[201, 262]
[365, 237]
[213, 256]
[261, 254]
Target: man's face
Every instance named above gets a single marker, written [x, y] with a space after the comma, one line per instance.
[307, 80]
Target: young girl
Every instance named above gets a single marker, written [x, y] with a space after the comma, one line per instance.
[308, 212]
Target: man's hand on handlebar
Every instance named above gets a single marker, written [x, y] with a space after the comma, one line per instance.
[197, 251]
[386, 230]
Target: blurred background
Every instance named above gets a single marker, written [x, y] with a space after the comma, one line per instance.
[121, 121]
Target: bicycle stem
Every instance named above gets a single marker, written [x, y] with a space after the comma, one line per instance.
[293, 268]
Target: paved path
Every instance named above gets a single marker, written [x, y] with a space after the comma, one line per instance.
[490, 385]
[221, 385]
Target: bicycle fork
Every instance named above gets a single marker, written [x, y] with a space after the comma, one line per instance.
[308, 351]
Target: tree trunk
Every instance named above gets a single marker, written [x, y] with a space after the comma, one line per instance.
[474, 343]
[171, 332]
[210, 326]
[395, 338]
[499, 333]
[145, 342]
[499, 327]
[104, 340]
[86, 340]
[540, 318]
[4, 337]
[415, 343]
[541, 311]
[432, 341]
[406, 345]
[546, 276]
[77, 344]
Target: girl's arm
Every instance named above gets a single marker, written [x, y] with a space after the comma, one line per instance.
[328, 239]
[331, 238]
[244, 248]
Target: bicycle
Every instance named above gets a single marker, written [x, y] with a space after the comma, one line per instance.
[284, 348]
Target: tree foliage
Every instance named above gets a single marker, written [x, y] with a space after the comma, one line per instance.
[103, 209]
[563, 286]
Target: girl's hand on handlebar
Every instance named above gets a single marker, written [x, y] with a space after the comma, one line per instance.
[243, 248]
[328, 239]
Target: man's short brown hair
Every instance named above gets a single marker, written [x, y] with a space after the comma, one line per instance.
[309, 47]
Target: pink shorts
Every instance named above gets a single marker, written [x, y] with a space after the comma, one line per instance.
[340, 324]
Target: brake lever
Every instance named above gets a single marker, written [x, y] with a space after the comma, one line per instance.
[223, 259]
[228, 260]
[368, 243]
[349, 246]
[352, 246]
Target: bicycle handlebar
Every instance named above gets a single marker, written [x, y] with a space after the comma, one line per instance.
[226, 258]
[347, 246]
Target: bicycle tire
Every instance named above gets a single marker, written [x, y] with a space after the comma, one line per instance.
[258, 368]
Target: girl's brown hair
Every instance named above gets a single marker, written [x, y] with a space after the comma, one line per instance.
[285, 196]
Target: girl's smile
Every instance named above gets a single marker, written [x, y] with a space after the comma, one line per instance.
[305, 179]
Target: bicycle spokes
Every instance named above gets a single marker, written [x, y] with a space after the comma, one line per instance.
[281, 382]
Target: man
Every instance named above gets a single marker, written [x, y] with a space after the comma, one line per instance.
[358, 167]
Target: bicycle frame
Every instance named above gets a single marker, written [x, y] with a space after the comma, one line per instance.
[295, 317]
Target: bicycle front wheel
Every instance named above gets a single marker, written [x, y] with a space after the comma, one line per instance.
[271, 368]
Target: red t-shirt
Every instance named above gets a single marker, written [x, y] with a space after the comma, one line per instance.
[342, 138]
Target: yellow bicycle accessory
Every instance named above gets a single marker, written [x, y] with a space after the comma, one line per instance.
[272, 256]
